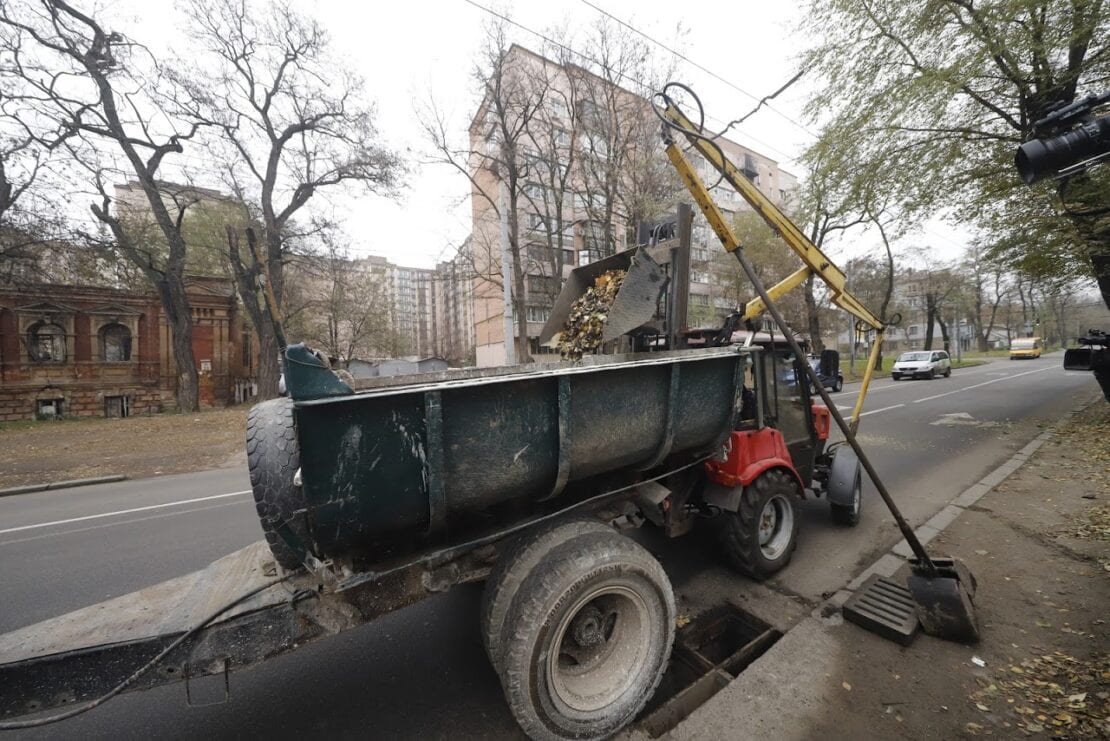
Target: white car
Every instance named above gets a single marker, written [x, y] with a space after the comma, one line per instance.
[922, 363]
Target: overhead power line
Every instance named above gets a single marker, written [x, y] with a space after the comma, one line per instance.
[760, 102]
[785, 158]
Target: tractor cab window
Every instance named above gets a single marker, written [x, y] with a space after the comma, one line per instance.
[792, 420]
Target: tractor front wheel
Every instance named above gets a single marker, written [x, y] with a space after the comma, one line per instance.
[759, 538]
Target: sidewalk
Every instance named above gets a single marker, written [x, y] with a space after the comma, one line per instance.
[1039, 544]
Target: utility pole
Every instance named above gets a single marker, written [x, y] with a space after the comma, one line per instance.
[851, 344]
[506, 273]
[959, 338]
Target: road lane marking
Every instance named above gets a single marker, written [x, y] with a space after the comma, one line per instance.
[122, 512]
[899, 384]
[131, 521]
[884, 409]
[984, 383]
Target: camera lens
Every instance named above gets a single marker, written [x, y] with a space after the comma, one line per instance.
[1039, 158]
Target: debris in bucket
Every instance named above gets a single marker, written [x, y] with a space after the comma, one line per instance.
[586, 321]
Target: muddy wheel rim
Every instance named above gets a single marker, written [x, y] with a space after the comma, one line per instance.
[776, 527]
[600, 648]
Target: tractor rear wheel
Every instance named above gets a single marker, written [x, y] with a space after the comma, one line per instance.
[759, 538]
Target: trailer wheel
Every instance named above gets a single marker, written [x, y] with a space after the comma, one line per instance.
[759, 538]
[273, 458]
[591, 633]
[513, 567]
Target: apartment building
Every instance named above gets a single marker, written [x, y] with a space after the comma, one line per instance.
[583, 166]
[454, 311]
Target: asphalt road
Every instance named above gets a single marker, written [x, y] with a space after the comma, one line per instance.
[421, 672]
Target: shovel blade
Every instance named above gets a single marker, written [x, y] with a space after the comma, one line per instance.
[635, 303]
[943, 600]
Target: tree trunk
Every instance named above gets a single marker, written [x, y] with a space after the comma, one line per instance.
[269, 353]
[180, 321]
[930, 318]
[944, 337]
[813, 318]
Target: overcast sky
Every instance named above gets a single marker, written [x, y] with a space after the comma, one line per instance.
[409, 51]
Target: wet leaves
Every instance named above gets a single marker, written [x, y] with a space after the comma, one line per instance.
[1094, 524]
[586, 322]
[1067, 697]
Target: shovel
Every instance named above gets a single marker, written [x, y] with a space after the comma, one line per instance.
[636, 301]
[942, 589]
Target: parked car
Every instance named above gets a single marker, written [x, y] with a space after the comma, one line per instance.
[922, 364]
[1025, 347]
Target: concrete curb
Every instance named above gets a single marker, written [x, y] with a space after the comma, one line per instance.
[30, 488]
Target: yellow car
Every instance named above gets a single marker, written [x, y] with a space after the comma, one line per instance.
[1025, 347]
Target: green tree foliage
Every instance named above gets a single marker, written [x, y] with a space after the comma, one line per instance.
[935, 96]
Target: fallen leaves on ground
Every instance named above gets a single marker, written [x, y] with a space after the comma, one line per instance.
[1067, 697]
[135, 447]
[1094, 524]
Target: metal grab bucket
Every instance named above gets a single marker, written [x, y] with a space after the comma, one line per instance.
[636, 301]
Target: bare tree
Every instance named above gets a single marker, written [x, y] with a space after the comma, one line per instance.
[78, 77]
[550, 161]
[986, 279]
[296, 122]
[624, 179]
[498, 161]
[829, 210]
[348, 306]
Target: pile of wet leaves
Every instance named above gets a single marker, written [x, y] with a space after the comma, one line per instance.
[1055, 694]
[586, 322]
[1094, 524]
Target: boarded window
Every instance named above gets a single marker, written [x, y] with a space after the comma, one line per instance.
[49, 408]
[117, 406]
[115, 343]
[46, 343]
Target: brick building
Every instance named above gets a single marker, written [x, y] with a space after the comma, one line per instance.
[90, 351]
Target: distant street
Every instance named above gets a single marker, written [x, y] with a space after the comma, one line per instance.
[421, 672]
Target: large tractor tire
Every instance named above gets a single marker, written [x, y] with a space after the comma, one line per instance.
[273, 457]
[590, 633]
[759, 538]
[514, 565]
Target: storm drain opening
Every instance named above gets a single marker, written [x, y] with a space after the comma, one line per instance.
[709, 652]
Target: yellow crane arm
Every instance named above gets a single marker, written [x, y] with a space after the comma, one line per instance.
[814, 261]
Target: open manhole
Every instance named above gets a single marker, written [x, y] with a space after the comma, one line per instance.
[708, 653]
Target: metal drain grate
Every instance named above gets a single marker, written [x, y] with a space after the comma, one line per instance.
[883, 606]
[708, 654]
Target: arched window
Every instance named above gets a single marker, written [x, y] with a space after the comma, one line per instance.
[115, 343]
[46, 343]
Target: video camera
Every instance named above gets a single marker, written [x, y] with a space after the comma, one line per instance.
[1093, 354]
[1068, 140]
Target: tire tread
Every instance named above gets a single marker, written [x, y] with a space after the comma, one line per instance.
[273, 458]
